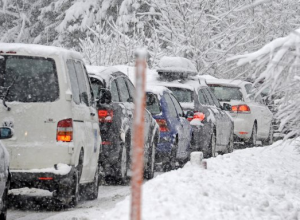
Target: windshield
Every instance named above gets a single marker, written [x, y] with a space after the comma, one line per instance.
[29, 79]
[153, 105]
[226, 94]
[182, 95]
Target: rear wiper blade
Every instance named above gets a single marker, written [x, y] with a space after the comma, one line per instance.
[4, 96]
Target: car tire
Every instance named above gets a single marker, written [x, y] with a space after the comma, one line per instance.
[122, 166]
[3, 213]
[150, 169]
[230, 146]
[68, 197]
[212, 146]
[270, 139]
[171, 163]
[74, 189]
[253, 139]
[92, 189]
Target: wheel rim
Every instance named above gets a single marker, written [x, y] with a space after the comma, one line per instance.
[123, 162]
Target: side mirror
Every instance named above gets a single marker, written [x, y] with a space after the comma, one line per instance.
[104, 97]
[226, 107]
[5, 133]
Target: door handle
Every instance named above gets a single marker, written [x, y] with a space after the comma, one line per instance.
[93, 114]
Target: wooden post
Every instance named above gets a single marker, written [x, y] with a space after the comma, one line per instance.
[138, 136]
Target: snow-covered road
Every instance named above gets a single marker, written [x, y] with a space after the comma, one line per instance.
[31, 199]
[253, 183]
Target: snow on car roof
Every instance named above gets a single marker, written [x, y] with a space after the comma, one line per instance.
[101, 72]
[38, 50]
[158, 90]
[227, 82]
[177, 65]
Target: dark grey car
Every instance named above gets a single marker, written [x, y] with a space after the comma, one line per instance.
[115, 111]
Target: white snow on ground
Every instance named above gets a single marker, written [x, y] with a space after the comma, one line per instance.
[253, 183]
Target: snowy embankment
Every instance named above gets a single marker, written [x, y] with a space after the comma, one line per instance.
[253, 183]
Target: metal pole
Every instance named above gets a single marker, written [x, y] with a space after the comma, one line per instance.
[138, 136]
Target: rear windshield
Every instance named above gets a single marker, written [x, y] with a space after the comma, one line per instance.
[182, 95]
[97, 85]
[152, 104]
[225, 93]
[28, 79]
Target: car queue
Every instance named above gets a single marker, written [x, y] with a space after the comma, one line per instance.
[76, 121]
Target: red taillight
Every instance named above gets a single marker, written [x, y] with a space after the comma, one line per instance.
[199, 115]
[11, 52]
[105, 115]
[163, 126]
[240, 108]
[45, 178]
[106, 143]
[65, 130]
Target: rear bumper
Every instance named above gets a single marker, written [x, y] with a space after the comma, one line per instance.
[243, 125]
[32, 180]
[29, 156]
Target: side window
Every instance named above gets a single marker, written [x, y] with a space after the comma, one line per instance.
[85, 93]
[216, 101]
[209, 98]
[114, 91]
[74, 81]
[131, 88]
[171, 107]
[124, 94]
[177, 106]
[202, 98]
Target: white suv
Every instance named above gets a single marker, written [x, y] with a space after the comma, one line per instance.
[46, 99]
[252, 118]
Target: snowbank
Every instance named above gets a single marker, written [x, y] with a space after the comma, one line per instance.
[253, 183]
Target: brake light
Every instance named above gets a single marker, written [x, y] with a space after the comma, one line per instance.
[105, 115]
[65, 130]
[163, 126]
[106, 143]
[11, 52]
[199, 116]
[45, 178]
[240, 108]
